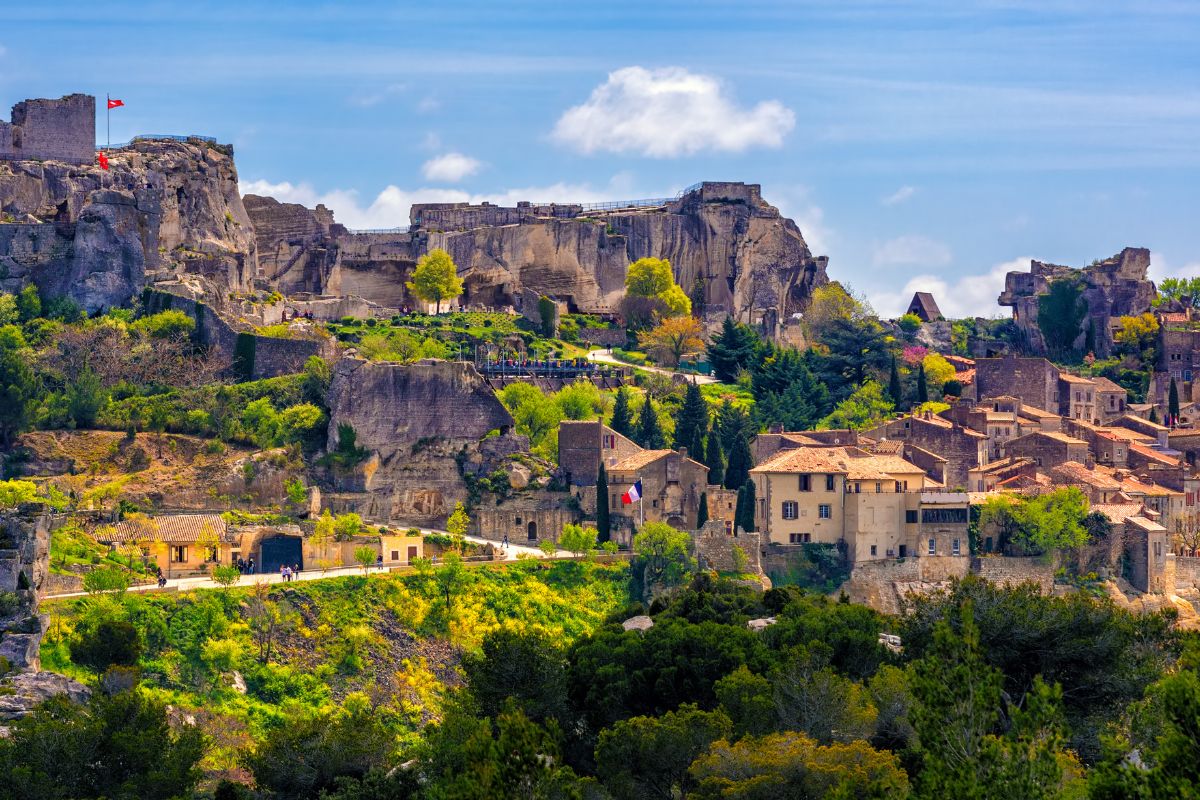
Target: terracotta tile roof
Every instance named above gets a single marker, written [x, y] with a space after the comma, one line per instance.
[1128, 435]
[852, 462]
[800, 439]
[1056, 436]
[1151, 453]
[966, 377]
[1145, 423]
[639, 460]
[1069, 378]
[1074, 472]
[1033, 412]
[175, 529]
[1105, 385]
[1117, 512]
[1011, 462]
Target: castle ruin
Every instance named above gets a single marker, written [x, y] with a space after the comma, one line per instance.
[51, 130]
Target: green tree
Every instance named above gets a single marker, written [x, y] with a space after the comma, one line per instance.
[106, 579]
[734, 349]
[169, 324]
[650, 756]
[18, 384]
[649, 433]
[29, 303]
[1040, 524]
[307, 754]
[119, 746]
[450, 578]
[8, 310]
[578, 539]
[522, 667]
[365, 556]
[622, 419]
[894, 391]
[702, 513]
[748, 699]
[737, 472]
[1061, 312]
[714, 459]
[744, 512]
[793, 765]
[866, 407]
[106, 643]
[347, 526]
[922, 386]
[1185, 289]
[436, 279]
[692, 420]
[663, 553]
[548, 316]
[459, 522]
[812, 698]
[226, 576]
[86, 397]
[603, 519]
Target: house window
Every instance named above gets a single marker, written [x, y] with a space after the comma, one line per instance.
[824, 511]
[954, 547]
[518, 521]
[614, 500]
[829, 483]
[179, 554]
[791, 509]
[654, 503]
[873, 550]
[898, 490]
[857, 488]
[910, 516]
[795, 538]
[610, 441]
[933, 547]
[805, 483]
[878, 487]
[395, 555]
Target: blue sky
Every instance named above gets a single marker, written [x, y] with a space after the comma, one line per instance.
[928, 145]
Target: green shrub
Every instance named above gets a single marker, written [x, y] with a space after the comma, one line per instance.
[110, 642]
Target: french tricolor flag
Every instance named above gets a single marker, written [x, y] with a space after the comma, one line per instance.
[633, 495]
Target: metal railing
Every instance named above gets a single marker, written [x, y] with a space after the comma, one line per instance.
[149, 136]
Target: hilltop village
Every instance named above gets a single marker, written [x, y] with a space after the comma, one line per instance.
[201, 387]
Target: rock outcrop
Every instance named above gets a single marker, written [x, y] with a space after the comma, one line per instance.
[724, 241]
[1115, 287]
[164, 207]
[418, 422]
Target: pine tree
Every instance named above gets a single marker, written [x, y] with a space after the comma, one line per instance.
[692, 419]
[714, 459]
[622, 420]
[1173, 404]
[649, 434]
[740, 462]
[894, 389]
[702, 514]
[735, 348]
[922, 386]
[603, 523]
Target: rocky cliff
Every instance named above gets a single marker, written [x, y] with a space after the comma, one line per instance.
[1115, 287]
[723, 240]
[164, 208]
[418, 422]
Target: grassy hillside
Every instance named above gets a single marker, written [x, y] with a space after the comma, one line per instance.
[392, 638]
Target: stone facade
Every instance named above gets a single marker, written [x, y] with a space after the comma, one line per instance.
[584, 446]
[671, 488]
[526, 520]
[1033, 380]
[51, 130]
[961, 447]
[715, 549]
[24, 564]
[1115, 287]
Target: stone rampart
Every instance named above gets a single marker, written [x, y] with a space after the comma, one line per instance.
[1187, 572]
[51, 130]
[1010, 571]
[715, 549]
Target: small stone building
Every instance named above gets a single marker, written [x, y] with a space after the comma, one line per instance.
[175, 542]
[671, 487]
[584, 446]
[962, 447]
[1048, 449]
[925, 307]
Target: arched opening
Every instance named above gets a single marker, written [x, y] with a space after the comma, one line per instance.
[279, 551]
[532, 531]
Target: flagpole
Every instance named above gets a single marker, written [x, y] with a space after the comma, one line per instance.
[108, 118]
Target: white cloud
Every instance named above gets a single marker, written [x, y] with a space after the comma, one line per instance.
[365, 98]
[451, 167]
[390, 207]
[899, 196]
[966, 296]
[912, 249]
[669, 112]
[428, 105]
[1161, 267]
[797, 204]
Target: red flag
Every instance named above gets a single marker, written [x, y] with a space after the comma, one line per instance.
[115, 103]
[103, 160]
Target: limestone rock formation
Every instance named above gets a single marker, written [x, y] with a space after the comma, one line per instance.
[418, 421]
[164, 207]
[1115, 287]
[723, 240]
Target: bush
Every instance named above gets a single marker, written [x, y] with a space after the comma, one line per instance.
[110, 642]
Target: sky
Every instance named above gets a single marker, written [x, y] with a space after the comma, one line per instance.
[923, 145]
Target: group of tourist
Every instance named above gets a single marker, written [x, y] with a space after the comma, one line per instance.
[289, 573]
[245, 566]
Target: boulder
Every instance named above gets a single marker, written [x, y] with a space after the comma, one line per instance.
[25, 690]
[519, 475]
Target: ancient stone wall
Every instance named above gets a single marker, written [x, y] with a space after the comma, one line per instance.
[1033, 380]
[715, 549]
[1187, 572]
[24, 564]
[1009, 571]
[51, 130]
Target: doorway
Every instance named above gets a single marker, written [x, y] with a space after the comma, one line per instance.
[532, 531]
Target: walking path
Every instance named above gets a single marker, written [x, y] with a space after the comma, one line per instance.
[204, 582]
[605, 357]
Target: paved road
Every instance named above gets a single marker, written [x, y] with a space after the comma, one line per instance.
[201, 582]
[604, 357]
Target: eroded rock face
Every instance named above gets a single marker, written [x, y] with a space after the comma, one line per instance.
[722, 239]
[1115, 287]
[418, 421]
[163, 208]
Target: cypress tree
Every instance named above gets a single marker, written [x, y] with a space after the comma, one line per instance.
[603, 523]
[894, 386]
[748, 503]
[714, 459]
[696, 448]
[1173, 404]
[922, 386]
[702, 514]
[1154, 415]
[740, 461]
[692, 419]
[622, 420]
[649, 434]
